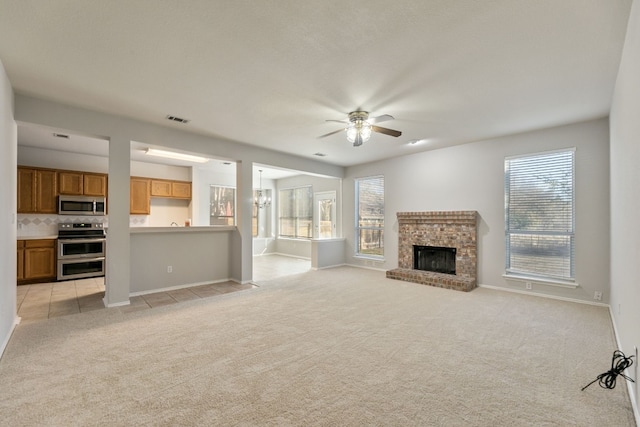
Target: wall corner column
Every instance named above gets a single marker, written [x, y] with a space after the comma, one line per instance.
[118, 274]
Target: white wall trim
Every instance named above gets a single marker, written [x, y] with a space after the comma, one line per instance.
[115, 304]
[632, 388]
[288, 255]
[535, 294]
[328, 266]
[367, 267]
[174, 288]
[5, 343]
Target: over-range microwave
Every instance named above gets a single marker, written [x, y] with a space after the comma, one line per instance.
[81, 205]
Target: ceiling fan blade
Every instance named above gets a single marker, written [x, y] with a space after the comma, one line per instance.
[380, 119]
[338, 121]
[331, 133]
[386, 131]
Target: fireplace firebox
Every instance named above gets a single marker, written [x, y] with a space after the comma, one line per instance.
[434, 258]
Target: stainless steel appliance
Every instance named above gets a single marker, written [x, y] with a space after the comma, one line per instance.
[81, 250]
[81, 205]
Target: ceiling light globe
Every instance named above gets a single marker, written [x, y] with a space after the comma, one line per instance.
[352, 132]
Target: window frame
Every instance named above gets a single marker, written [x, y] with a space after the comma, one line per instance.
[296, 218]
[566, 277]
[359, 228]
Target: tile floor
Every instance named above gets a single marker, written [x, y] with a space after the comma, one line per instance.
[42, 301]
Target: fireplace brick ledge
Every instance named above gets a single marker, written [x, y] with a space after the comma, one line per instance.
[439, 280]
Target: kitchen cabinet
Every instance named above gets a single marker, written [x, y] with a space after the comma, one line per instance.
[20, 258]
[37, 190]
[140, 196]
[171, 189]
[82, 183]
[36, 260]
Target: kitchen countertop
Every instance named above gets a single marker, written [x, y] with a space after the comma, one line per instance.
[192, 229]
[55, 236]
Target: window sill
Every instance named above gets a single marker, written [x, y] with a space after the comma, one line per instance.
[541, 281]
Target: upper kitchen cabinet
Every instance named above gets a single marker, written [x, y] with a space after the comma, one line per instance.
[140, 196]
[37, 190]
[172, 189]
[82, 183]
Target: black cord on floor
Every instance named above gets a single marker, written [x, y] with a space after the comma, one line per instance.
[618, 364]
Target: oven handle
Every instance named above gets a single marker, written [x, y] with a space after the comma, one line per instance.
[87, 240]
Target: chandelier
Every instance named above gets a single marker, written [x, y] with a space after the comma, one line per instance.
[261, 199]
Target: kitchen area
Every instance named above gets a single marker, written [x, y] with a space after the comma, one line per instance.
[62, 210]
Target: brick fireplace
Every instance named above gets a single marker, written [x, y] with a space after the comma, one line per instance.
[451, 229]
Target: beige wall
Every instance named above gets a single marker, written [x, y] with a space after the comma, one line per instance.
[8, 147]
[471, 177]
[625, 197]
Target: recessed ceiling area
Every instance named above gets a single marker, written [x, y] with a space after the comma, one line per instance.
[270, 74]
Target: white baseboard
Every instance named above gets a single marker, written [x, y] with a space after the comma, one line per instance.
[174, 288]
[5, 343]
[328, 266]
[535, 294]
[632, 388]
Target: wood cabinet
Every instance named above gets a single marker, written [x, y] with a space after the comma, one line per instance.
[172, 189]
[140, 196]
[82, 183]
[70, 183]
[37, 190]
[36, 260]
[20, 258]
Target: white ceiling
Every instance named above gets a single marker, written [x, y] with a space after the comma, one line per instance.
[270, 73]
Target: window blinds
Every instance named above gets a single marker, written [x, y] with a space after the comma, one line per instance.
[539, 215]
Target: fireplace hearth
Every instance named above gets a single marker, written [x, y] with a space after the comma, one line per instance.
[453, 262]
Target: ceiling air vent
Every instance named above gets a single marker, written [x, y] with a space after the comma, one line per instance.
[177, 119]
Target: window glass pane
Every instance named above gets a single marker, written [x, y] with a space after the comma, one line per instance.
[222, 203]
[370, 226]
[296, 212]
[539, 216]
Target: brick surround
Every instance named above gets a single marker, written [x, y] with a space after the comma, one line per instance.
[453, 229]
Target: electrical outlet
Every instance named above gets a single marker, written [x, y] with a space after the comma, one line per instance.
[528, 285]
[597, 295]
[169, 269]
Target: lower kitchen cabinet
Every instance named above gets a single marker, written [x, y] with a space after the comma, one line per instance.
[38, 260]
[20, 258]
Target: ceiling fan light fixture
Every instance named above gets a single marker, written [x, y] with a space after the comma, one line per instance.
[358, 132]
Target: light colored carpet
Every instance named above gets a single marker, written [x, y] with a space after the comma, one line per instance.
[343, 346]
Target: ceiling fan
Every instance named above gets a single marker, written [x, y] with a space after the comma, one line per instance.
[360, 125]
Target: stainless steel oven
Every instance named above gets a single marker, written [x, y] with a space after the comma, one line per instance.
[81, 250]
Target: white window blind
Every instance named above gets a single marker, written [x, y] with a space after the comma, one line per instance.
[296, 213]
[370, 216]
[539, 214]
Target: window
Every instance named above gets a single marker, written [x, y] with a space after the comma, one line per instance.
[370, 216]
[296, 212]
[222, 204]
[539, 214]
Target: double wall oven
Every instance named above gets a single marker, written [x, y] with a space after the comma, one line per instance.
[81, 250]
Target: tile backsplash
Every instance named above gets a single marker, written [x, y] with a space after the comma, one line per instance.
[34, 225]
